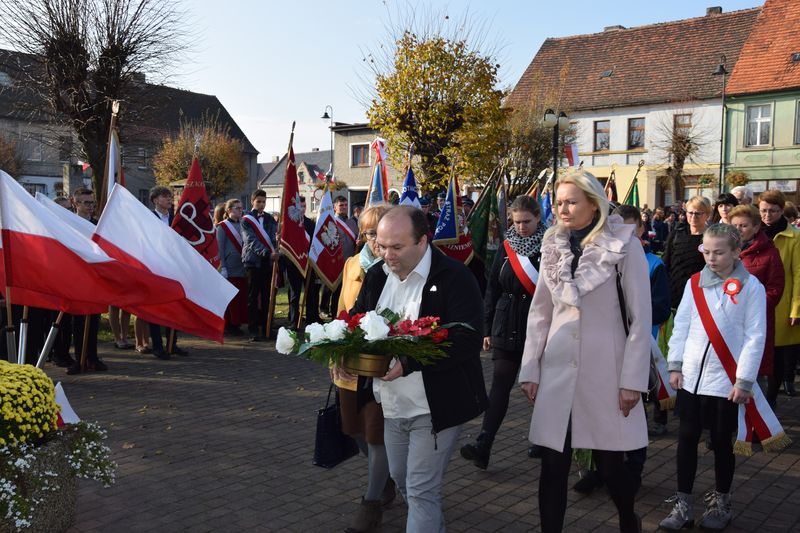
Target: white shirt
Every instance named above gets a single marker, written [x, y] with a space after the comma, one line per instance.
[405, 396]
[164, 218]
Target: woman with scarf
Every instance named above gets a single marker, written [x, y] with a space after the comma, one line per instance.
[512, 282]
[586, 358]
[229, 240]
[362, 416]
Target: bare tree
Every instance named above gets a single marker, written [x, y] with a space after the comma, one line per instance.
[86, 53]
[682, 140]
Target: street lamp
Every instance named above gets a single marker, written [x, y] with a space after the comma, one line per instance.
[722, 71]
[559, 124]
[326, 116]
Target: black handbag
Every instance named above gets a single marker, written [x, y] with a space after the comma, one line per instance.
[331, 446]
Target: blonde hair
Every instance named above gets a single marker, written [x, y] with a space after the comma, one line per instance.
[595, 194]
[371, 216]
[700, 202]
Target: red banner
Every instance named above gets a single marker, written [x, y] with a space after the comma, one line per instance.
[294, 239]
[192, 218]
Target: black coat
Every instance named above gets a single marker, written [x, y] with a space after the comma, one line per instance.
[454, 384]
[506, 304]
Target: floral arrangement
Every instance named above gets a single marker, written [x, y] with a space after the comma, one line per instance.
[375, 333]
[31, 446]
[737, 178]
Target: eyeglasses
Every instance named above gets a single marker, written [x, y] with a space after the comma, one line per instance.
[87, 202]
[370, 235]
[695, 213]
[770, 211]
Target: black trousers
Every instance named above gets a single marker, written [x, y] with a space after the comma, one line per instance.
[621, 482]
[506, 365]
[257, 298]
[155, 337]
[720, 416]
[78, 322]
[296, 284]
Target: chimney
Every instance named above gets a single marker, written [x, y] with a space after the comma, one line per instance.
[713, 10]
[615, 27]
[138, 78]
[276, 158]
[315, 149]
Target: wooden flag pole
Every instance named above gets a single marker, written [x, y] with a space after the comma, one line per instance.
[85, 345]
[274, 280]
[303, 300]
[633, 182]
[51, 338]
[11, 343]
[23, 336]
[171, 341]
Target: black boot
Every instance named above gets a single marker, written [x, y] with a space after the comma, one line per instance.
[479, 451]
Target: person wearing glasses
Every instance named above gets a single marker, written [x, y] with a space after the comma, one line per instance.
[683, 252]
[787, 314]
[362, 418]
[229, 238]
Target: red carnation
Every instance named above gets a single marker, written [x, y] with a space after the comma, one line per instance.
[352, 324]
[440, 335]
[403, 327]
[343, 315]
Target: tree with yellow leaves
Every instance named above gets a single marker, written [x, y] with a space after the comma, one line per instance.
[219, 154]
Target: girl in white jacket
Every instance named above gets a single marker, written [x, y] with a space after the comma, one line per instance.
[726, 298]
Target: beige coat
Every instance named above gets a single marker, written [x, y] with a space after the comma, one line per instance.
[576, 348]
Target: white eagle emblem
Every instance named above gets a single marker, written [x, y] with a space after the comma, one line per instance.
[330, 235]
[295, 211]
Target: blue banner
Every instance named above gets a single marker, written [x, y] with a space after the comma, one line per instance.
[410, 195]
[377, 193]
[447, 228]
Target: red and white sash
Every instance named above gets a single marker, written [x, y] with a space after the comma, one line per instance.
[754, 415]
[342, 224]
[259, 229]
[666, 394]
[233, 234]
[523, 268]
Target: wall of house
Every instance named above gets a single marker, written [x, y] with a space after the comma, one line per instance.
[358, 177]
[659, 121]
[777, 163]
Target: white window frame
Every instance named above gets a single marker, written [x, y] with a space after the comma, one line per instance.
[32, 142]
[758, 121]
[644, 131]
[350, 155]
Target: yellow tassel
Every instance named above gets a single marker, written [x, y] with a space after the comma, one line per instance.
[776, 443]
[667, 403]
[743, 448]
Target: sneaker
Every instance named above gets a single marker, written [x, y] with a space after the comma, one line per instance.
[718, 511]
[681, 515]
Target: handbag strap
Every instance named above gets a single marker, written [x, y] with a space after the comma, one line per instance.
[621, 295]
[328, 400]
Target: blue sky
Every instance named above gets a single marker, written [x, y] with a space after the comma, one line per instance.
[271, 62]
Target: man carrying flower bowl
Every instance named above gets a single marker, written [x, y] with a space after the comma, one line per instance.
[424, 406]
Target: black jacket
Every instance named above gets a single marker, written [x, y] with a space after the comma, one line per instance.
[506, 304]
[454, 384]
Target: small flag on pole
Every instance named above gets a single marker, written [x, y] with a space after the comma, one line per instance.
[409, 195]
[611, 188]
[571, 151]
[378, 192]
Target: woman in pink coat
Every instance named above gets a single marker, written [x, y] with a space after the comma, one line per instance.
[582, 372]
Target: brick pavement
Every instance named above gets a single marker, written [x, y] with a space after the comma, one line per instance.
[222, 441]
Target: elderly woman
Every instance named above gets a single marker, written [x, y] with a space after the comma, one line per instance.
[229, 240]
[511, 285]
[587, 352]
[362, 417]
[683, 254]
[787, 314]
[722, 206]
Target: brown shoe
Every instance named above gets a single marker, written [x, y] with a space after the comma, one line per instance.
[368, 519]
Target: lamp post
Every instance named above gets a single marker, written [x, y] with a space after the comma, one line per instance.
[327, 116]
[559, 124]
[722, 71]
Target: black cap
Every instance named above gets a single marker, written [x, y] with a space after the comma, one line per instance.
[441, 196]
[469, 202]
[424, 201]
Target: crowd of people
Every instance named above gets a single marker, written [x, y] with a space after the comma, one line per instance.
[566, 313]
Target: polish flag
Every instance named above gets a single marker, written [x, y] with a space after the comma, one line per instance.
[130, 233]
[52, 265]
[326, 245]
[571, 151]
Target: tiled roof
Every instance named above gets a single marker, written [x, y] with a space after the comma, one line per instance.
[665, 62]
[765, 63]
[320, 159]
[154, 110]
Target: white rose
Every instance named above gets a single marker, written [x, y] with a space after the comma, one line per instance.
[374, 326]
[316, 332]
[335, 330]
[285, 341]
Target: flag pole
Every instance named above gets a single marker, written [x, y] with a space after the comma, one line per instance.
[274, 280]
[303, 299]
[171, 341]
[85, 345]
[635, 176]
[105, 190]
[11, 343]
[51, 339]
[492, 177]
[23, 336]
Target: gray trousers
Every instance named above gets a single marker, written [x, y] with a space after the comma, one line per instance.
[417, 461]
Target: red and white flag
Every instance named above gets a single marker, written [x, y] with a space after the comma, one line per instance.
[326, 253]
[66, 414]
[294, 239]
[130, 233]
[54, 266]
[571, 151]
[192, 218]
[114, 171]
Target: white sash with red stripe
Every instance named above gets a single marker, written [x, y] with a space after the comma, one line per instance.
[666, 394]
[233, 234]
[259, 229]
[754, 415]
[523, 268]
[342, 224]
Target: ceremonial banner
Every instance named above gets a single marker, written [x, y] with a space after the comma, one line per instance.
[129, 232]
[326, 254]
[485, 228]
[113, 171]
[632, 198]
[448, 229]
[294, 240]
[192, 218]
[379, 186]
[547, 209]
[50, 264]
[409, 196]
[611, 187]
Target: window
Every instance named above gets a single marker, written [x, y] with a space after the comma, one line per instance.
[359, 155]
[682, 124]
[33, 188]
[64, 148]
[32, 147]
[143, 155]
[602, 132]
[759, 118]
[635, 133]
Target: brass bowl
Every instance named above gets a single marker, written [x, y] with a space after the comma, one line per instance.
[366, 364]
